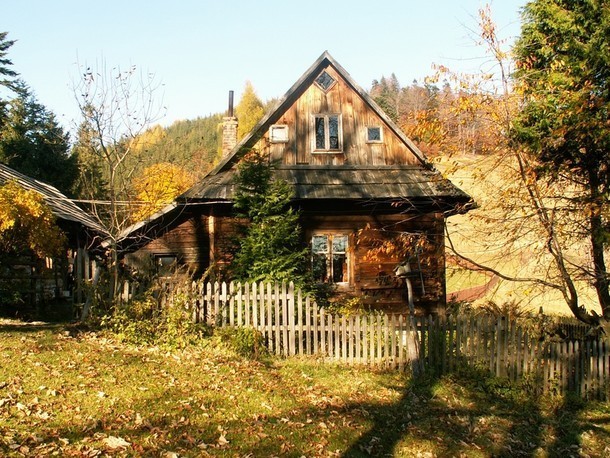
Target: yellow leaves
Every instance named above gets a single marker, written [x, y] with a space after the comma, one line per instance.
[149, 138]
[27, 223]
[389, 246]
[158, 185]
[249, 110]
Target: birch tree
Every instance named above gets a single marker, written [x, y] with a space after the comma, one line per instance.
[116, 107]
[528, 228]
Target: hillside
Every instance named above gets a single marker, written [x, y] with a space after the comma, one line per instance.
[191, 144]
[510, 247]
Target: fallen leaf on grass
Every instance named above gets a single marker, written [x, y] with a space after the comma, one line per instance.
[116, 442]
[222, 440]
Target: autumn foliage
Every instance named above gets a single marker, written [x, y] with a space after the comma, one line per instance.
[27, 223]
[158, 185]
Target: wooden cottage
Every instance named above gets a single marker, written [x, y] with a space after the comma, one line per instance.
[373, 208]
[59, 278]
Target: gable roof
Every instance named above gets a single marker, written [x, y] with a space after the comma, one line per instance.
[294, 93]
[62, 207]
[421, 181]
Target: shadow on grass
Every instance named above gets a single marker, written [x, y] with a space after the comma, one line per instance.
[466, 412]
[29, 327]
[458, 414]
[469, 411]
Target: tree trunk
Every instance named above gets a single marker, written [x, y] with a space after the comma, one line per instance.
[600, 282]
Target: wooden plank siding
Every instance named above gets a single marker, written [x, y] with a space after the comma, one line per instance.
[372, 276]
[204, 241]
[356, 116]
[188, 241]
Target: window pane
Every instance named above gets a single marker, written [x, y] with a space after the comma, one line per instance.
[333, 132]
[320, 135]
[319, 244]
[374, 134]
[165, 265]
[339, 243]
[320, 267]
[325, 81]
[339, 268]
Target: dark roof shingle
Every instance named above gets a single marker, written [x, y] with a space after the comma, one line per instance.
[61, 206]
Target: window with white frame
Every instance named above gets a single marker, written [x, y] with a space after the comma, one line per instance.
[278, 133]
[327, 133]
[374, 134]
[330, 258]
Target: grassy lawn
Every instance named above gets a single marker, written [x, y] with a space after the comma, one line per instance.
[69, 392]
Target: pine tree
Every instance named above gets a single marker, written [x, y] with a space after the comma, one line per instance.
[5, 63]
[270, 248]
[33, 143]
[563, 71]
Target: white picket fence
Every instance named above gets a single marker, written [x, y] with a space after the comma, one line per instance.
[293, 324]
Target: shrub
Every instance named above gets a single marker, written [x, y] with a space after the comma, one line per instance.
[349, 305]
[144, 321]
[244, 341]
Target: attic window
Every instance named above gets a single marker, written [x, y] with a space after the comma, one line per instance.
[327, 133]
[278, 133]
[374, 134]
[325, 81]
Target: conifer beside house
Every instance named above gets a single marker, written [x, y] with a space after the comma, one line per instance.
[372, 207]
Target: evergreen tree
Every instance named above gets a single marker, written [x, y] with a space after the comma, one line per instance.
[90, 182]
[270, 248]
[7, 74]
[33, 143]
[563, 71]
[387, 94]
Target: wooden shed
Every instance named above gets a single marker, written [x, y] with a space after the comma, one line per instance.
[373, 207]
[61, 277]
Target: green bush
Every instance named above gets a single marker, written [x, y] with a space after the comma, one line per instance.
[244, 341]
[144, 321]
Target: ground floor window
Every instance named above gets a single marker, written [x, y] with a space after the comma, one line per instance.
[165, 264]
[330, 258]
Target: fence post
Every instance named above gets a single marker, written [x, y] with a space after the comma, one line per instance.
[290, 319]
[300, 324]
[322, 330]
[231, 303]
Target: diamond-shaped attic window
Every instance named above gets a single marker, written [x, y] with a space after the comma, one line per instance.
[325, 81]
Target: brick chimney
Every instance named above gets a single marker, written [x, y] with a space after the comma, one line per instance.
[229, 129]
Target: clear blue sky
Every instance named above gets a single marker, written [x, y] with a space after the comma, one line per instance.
[201, 49]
